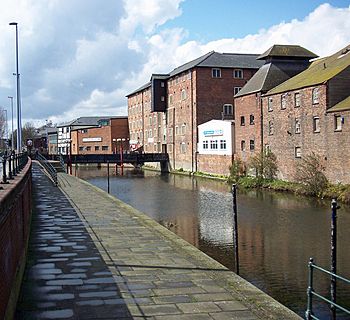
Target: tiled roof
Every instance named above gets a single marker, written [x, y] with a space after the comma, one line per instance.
[290, 51]
[87, 121]
[320, 71]
[269, 76]
[143, 87]
[341, 106]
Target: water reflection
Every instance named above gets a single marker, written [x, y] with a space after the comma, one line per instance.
[278, 232]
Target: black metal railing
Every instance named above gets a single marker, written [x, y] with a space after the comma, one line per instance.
[312, 293]
[12, 163]
[61, 160]
[48, 167]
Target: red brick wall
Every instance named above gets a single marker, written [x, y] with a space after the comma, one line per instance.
[245, 107]
[329, 145]
[216, 164]
[15, 215]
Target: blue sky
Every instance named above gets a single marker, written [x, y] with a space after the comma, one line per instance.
[82, 57]
[208, 20]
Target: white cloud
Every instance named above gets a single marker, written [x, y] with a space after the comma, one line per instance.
[80, 58]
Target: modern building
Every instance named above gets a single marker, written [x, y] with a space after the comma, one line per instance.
[110, 136]
[165, 112]
[103, 138]
[281, 63]
[215, 146]
[308, 113]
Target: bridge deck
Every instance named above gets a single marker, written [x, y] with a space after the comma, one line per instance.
[102, 259]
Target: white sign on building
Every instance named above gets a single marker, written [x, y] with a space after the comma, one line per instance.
[93, 139]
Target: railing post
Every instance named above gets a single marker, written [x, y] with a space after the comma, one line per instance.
[108, 176]
[235, 226]
[14, 173]
[4, 177]
[8, 158]
[334, 257]
[310, 289]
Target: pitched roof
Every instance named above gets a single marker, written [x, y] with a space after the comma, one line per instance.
[288, 51]
[86, 121]
[221, 60]
[143, 87]
[320, 71]
[341, 106]
[271, 75]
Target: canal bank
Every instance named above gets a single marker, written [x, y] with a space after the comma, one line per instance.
[168, 277]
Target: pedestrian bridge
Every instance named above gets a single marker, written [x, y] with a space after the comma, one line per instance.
[136, 159]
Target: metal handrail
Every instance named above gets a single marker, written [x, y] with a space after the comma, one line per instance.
[61, 161]
[48, 167]
[311, 292]
[12, 164]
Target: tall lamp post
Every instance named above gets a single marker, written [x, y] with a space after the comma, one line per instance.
[19, 125]
[11, 98]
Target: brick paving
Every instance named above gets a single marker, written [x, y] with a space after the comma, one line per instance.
[94, 257]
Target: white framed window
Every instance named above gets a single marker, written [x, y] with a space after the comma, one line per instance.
[297, 99]
[216, 73]
[297, 125]
[162, 98]
[315, 95]
[251, 145]
[243, 145]
[238, 74]
[162, 84]
[316, 124]
[177, 130]
[269, 104]
[228, 109]
[183, 94]
[150, 120]
[297, 152]
[223, 144]
[284, 101]
[170, 99]
[205, 144]
[183, 147]
[183, 128]
[251, 119]
[338, 121]
[236, 90]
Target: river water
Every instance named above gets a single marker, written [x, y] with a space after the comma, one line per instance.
[278, 232]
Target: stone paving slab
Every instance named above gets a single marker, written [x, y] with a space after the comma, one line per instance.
[94, 257]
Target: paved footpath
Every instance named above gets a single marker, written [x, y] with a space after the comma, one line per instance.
[92, 256]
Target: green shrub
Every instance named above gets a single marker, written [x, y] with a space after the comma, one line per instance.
[310, 173]
[265, 165]
[237, 170]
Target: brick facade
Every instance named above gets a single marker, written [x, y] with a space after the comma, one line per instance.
[194, 96]
[216, 164]
[300, 130]
[101, 140]
[248, 126]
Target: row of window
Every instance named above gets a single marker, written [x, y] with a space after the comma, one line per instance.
[297, 99]
[251, 120]
[338, 121]
[251, 145]
[96, 148]
[214, 144]
[183, 96]
[237, 73]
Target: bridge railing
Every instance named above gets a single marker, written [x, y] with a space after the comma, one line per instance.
[11, 164]
[48, 167]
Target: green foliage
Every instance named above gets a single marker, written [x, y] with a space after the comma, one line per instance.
[310, 173]
[265, 165]
[237, 170]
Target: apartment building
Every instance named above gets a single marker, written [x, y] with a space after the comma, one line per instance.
[311, 113]
[165, 112]
[281, 62]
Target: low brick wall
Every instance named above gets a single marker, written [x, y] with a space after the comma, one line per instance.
[215, 164]
[15, 215]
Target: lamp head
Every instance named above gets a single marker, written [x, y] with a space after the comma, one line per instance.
[13, 23]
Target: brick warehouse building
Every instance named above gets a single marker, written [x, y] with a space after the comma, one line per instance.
[164, 113]
[311, 113]
[99, 135]
[281, 63]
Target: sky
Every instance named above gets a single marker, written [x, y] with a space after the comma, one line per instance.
[82, 57]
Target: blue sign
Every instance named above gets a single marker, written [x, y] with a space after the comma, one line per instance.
[218, 132]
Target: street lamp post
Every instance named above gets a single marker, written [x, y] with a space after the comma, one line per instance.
[11, 98]
[19, 125]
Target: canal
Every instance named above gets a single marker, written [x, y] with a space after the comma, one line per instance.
[278, 232]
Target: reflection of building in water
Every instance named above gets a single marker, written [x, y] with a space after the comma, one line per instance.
[186, 227]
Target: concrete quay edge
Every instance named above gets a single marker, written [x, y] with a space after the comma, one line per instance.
[260, 303]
